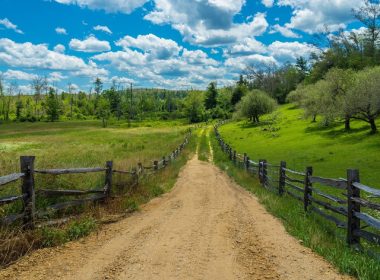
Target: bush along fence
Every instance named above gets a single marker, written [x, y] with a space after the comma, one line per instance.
[30, 217]
[340, 201]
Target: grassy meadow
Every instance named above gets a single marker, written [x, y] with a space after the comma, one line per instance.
[286, 135]
[82, 144]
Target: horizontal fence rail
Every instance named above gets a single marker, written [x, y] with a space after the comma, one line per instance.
[345, 212]
[30, 215]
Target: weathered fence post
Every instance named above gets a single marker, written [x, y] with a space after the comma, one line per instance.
[234, 157]
[281, 181]
[27, 167]
[139, 171]
[247, 163]
[155, 165]
[164, 163]
[261, 171]
[245, 160]
[265, 173]
[307, 189]
[108, 179]
[231, 153]
[353, 223]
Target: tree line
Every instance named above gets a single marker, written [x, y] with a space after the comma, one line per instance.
[340, 83]
[46, 104]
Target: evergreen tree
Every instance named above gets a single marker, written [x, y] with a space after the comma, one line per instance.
[211, 96]
[103, 110]
[19, 107]
[53, 108]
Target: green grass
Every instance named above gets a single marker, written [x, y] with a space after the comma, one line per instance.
[321, 236]
[301, 143]
[81, 144]
[203, 148]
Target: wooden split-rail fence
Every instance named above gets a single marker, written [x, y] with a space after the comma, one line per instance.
[318, 194]
[30, 216]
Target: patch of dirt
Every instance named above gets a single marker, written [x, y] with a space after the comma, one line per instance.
[206, 228]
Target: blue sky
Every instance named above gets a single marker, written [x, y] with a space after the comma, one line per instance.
[158, 43]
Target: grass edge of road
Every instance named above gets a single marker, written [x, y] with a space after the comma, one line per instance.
[20, 243]
[309, 229]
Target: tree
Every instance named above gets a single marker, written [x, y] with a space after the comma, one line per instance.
[314, 99]
[71, 96]
[369, 15]
[211, 96]
[39, 84]
[194, 107]
[278, 82]
[103, 110]
[255, 104]
[302, 68]
[238, 93]
[53, 108]
[339, 83]
[2, 96]
[114, 98]
[364, 97]
[98, 86]
[19, 107]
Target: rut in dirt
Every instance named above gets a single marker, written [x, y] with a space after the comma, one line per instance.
[206, 228]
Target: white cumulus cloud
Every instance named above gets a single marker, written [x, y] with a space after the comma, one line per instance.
[157, 47]
[289, 51]
[59, 48]
[210, 23]
[18, 75]
[267, 3]
[61, 30]
[284, 31]
[28, 55]
[110, 6]
[313, 16]
[90, 44]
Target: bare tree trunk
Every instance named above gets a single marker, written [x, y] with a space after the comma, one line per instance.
[347, 123]
[373, 125]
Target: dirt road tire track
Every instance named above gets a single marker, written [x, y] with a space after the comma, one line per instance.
[206, 228]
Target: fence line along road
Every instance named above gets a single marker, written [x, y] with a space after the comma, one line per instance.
[29, 215]
[345, 210]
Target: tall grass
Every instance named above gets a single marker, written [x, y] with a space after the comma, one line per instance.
[83, 144]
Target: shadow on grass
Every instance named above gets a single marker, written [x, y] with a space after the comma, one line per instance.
[353, 136]
[247, 125]
[316, 127]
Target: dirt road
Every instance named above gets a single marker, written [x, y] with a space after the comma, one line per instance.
[206, 228]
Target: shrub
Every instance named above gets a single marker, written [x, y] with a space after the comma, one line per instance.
[255, 104]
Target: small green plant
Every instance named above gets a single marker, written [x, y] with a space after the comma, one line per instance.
[80, 228]
[51, 236]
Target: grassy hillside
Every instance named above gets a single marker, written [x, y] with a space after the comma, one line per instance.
[286, 135]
